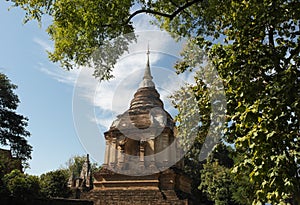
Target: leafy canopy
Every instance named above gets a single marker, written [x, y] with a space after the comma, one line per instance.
[55, 184]
[219, 184]
[255, 48]
[254, 45]
[21, 185]
[12, 125]
[84, 31]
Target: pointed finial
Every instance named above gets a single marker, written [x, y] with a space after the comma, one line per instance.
[147, 79]
[148, 54]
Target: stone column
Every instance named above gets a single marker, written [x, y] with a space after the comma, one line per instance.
[165, 142]
[120, 158]
[112, 152]
[107, 152]
[116, 152]
[142, 154]
[151, 143]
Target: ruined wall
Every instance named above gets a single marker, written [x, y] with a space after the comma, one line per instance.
[134, 197]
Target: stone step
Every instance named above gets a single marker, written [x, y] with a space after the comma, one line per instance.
[133, 197]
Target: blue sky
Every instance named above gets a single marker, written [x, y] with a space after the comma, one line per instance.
[44, 100]
[69, 111]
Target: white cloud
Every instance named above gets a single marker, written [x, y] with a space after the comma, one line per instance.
[62, 76]
[115, 95]
[96, 105]
[141, 22]
[46, 45]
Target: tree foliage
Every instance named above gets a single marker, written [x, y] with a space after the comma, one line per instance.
[75, 163]
[257, 56]
[20, 185]
[216, 183]
[48, 185]
[83, 31]
[193, 123]
[201, 108]
[55, 184]
[12, 125]
[254, 46]
[7, 165]
[219, 185]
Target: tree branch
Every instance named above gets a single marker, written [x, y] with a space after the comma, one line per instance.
[271, 36]
[170, 16]
[176, 5]
[147, 11]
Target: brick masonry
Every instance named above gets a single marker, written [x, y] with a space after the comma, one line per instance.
[134, 197]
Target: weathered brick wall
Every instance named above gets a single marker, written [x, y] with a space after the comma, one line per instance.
[133, 197]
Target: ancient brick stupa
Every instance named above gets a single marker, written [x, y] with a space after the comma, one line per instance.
[141, 164]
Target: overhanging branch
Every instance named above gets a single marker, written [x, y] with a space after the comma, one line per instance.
[170, 16]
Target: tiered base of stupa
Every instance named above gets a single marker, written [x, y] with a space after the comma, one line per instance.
[140, 148]
[168, 187]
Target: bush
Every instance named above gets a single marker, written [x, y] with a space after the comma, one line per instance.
[55, 184]
[18, 184]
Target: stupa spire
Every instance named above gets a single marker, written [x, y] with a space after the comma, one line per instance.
[147, 79]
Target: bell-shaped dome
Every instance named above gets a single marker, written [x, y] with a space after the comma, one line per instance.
[146, 110]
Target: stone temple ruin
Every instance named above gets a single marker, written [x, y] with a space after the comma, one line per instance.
[142, 160]
[84, 182]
